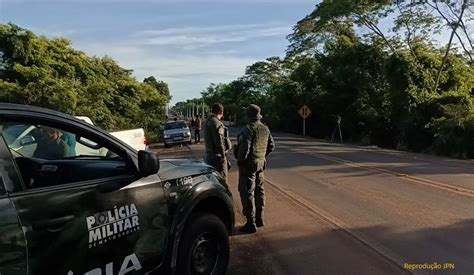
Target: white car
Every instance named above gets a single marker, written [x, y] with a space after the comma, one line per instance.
[176, 132]
[135, 137]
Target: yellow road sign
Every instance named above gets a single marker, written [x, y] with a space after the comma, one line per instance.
[304, 111]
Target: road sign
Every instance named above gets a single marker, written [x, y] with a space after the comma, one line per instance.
[304, 111]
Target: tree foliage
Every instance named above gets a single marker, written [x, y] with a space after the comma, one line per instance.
[44, 72]
[395, 89]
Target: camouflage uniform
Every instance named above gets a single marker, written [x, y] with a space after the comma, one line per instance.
[228, 145]
[215, 142]
[255, 142]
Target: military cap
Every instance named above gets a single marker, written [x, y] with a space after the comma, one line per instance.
[253, 112]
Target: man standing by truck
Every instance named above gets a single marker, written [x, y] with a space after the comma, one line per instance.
[215, 142]
[255, 143]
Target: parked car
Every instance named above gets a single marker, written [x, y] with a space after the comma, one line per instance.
[176, 132]
[108, 210]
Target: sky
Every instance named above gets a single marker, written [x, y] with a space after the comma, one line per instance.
[188, 44]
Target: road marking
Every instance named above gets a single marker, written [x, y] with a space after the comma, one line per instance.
[454, 189]
[329, 219]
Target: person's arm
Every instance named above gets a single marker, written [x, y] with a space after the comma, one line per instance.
[270, 144]
[64, 150]
[219, 140]
[228, 143]
[245, 143]
[204, 129]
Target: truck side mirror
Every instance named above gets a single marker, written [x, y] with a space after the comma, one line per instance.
[148, 163]
[27, 140]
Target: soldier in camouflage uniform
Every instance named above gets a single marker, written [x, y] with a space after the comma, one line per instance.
[215, 140]
[255, 142]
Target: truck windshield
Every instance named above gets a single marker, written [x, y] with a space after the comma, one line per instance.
[175, 125]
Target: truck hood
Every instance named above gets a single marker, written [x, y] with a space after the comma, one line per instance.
[178, 168]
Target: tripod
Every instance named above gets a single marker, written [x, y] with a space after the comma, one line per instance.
[338, 127]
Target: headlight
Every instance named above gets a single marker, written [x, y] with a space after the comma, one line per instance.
[166, 136]
[187, 133]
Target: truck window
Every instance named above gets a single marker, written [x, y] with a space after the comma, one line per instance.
[48, 156]
[50, 143]
[9, 179]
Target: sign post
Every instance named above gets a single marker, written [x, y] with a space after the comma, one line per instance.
[304, 113]
[304, 126]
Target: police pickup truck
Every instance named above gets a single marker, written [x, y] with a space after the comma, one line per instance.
[106, 210]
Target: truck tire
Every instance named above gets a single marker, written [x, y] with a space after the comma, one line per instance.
[167, 145]
[204, 246]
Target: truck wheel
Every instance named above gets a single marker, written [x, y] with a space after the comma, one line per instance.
[167, 145]
[204, 246]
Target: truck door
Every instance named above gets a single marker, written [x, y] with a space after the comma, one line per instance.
[13, 254]
[89, 213]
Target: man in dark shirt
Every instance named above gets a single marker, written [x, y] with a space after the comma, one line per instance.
[197, 129]
[50, 146]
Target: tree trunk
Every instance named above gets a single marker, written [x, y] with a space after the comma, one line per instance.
[448, 48]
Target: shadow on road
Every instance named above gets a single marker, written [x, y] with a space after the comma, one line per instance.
[315, 156]
[334, 252]
[295, 242]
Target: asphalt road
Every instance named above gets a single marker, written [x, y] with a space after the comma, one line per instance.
[334, 209]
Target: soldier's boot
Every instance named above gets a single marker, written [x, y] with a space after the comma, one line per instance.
[249, 227]
[246, 189]
[259, 222]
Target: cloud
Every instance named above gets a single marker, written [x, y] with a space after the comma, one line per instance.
[187, 75]
[195, 37]
[202, 29]
[162, 1]
[53, 32]
[188, 58]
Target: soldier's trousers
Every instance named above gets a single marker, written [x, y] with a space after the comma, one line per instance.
[219, 163]
[251, 189]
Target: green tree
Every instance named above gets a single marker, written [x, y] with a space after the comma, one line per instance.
[35, 70]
